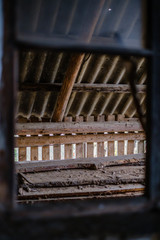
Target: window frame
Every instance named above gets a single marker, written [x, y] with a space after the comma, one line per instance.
[130, 216]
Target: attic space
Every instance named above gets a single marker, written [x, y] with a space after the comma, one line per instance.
[81, 100]
[97, 149]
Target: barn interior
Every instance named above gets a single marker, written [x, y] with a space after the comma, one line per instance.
[80, 104]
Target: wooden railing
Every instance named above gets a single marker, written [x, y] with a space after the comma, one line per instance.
[83, 138]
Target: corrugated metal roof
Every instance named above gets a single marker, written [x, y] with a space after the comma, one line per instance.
[50, 67]
[113, 22]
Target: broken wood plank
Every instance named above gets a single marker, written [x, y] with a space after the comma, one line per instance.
[81, 87]
[76, 127]
[88, 163]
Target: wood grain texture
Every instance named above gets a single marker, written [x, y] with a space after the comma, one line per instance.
[89, 163]
[76, 127]
[66, 89]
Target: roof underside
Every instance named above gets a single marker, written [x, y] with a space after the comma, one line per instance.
[50, 66]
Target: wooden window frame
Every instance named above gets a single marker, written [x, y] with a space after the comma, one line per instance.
[91, 217]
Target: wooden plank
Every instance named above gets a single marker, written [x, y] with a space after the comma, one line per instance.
[100, 145]
[87, 191]
[79, 146]
[77, 139]
[22, 154]
[34, 153]
[120, 143]
[88, 163]
[141, 147]
[82, 87]
[130, 147]
[90, 144]
[111, 143]
[45, 153]
[68, 147]
[57, 151]
[76, 127]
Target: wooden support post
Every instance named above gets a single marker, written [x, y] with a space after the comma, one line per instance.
[68, 147]
[111, 118]
[120, 143]
[79, 146]
[100, 145]
[66, 89]
[90, 145]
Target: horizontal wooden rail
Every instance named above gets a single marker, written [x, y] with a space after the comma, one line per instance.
[92, 163]
[76, 127]
[81, 87]
[50, 140]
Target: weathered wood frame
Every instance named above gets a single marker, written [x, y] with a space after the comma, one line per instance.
[67, 220]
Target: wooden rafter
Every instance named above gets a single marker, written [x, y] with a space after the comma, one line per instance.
[66, 89]
[82, 87]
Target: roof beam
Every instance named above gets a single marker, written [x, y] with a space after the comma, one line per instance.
[82, 87]
[66, 89]
[76, 127]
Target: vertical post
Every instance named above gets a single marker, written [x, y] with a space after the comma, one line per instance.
[7, 95]
[68, 147]
[90, 145]
[120, 143]
[111, 143]
[153, 105]
[100, 145]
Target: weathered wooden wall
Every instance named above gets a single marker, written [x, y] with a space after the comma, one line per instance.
[82, 138]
